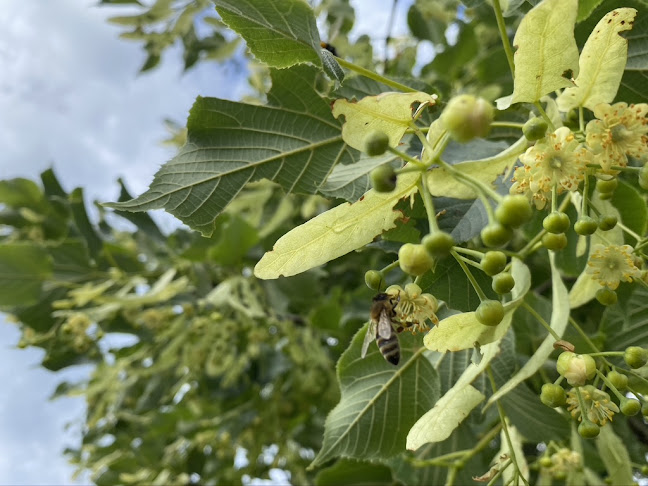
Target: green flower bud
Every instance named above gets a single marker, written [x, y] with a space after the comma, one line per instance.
[513, 211]
[376, 143]
[490, 312]
[503, 283]
[414, 259]
[383, 178]
[606, 296]
[493, 262]
[629, 406]
[467, 117]
[553, 395]
[438, 244]
[588, 429]
[374, 279]
[635, 357]
[618, 380]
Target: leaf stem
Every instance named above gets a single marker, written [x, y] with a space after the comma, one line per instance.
[507, 124]
[585, 337]
[501, 26]
[541, 320]
[375, 76]
[544, 115]
[502, 416]
[469, 275]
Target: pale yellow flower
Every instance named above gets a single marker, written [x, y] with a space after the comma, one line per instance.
[558, 160]
[598, 405]
[609, 265]
[414, 307]
[565, 460]
[619, 130]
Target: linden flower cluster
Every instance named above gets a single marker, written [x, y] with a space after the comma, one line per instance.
[619, 130]
[565, 460]
[599, 407]
[609, 265]
[414, 307]
[558, 160]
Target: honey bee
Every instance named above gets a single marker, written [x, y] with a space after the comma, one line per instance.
[381, 328]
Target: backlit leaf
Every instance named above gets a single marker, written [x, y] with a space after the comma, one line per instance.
[280, 34]
[294, 141]
[336, 232]
[615, 456]
[546, 56]
[23, 269]
[389, 112]
[601, 63]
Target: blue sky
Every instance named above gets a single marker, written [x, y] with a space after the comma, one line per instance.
[71, 98]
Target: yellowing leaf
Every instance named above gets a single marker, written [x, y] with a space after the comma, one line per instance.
[461, 331]
[388, 112]
[448, 412]
[441, 183]
[547, 55]
[601, 63]
[336, 232]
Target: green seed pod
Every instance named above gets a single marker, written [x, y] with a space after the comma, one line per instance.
[467, 117]
[535, 129]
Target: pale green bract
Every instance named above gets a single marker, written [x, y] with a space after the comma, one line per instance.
[559, 319]
[601, 63]
[336, 232]
[389, 112]
[547, 55]
[441, 183]
[461, 331]
[445, 417]
[615, 456]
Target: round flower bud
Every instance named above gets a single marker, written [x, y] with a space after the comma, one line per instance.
[607, 186]
[414, 259]
[556, 222]
[554, 242]
[535, 129]
[585, 226]
[467, 117]
[513, 211]
[635, 357]
[607, 223]
[383, 178]
[438, 244]
[493, 262]
[606, 296]
[503, 283]
[490, 312]
[588, 429]
[376, 143]
[553, 395]
[629, 406]
[374, 279]
[618, 380]
[495, 234]
[644, 409]
[576, 368]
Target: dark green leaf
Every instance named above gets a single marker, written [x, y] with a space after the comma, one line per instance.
[354, 473]
[380, 402]
[295, 141]
[51, 184]
[83, 224]
[280, 34]
[142, 220]
[627, 325]
[19, 193]
[632, 208]
[23, 269]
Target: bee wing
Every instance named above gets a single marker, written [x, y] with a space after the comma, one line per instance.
[385, 328]
[369, 337]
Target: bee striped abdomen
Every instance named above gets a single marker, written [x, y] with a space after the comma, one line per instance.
[389, 348]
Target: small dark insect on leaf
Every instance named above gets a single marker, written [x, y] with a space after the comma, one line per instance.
[329, 47]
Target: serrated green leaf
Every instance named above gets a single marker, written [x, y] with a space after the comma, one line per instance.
[23, 269]
[546, 55]
[83, 224]
[442, 183]
[601, 63]
[18, 193]
[336, 232]
[638, 41]
[559, 319]
[331, 66]
[379, 401]
[389, 112]
[280, 34]
[461, 331]
[615, 456]
[294, 141]
[585, 8]
[627, 325]
[445, 417]
[632, 209]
